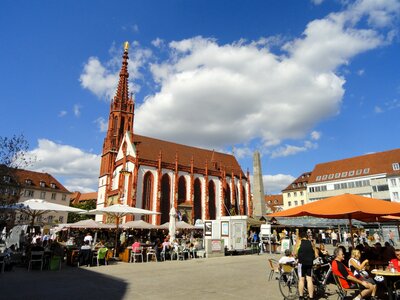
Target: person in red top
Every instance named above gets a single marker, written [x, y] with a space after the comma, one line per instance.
[347, 278]
[135, 246]
[396, 261]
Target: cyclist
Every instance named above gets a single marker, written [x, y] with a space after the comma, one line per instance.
[306, 253]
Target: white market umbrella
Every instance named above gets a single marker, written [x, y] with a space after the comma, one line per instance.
[172, 224]
[89, 224]
[118, 211]
[37, 207]
[179, 225]
[139, 224]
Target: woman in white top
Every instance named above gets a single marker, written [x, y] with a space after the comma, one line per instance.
[357, 267]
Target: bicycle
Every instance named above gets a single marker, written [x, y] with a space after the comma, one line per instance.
[289, 280]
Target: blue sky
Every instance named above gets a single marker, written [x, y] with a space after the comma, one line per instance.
[303, 81]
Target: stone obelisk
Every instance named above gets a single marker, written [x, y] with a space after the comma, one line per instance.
[259, 209]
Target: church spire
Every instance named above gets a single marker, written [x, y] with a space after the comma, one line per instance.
[122, 94]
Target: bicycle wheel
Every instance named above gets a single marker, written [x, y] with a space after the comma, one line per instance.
[288, 285]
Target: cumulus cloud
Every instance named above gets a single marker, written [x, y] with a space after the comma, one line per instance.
[315, 135]
[243, 93]
[274, 184]
[102, 79]
[317, 2]
[74, 168]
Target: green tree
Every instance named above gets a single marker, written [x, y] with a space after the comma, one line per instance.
[87, 205]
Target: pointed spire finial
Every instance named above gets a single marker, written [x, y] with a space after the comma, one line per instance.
[126, 46]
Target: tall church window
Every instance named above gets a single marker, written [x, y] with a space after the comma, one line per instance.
[197, 199]
[237, 209]
[147, 193]
[165, 198]
[245, 210]
[227, 200]
[181, 190]
[211, 200]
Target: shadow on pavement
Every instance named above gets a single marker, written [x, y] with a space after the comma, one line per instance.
[68, 283]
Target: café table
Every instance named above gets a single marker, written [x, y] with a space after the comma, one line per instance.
[390, 278]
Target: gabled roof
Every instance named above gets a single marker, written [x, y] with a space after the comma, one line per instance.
[78, 197]
[274, 201]
[364, 165]
[32, 179]
[300, 183]
[149, 149]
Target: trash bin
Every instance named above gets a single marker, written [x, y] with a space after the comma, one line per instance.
[55, 263]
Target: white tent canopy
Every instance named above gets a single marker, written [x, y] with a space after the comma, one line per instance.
[88, 224]
[139, 224]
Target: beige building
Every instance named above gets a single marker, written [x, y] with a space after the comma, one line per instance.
[296, 193]
[23, 185]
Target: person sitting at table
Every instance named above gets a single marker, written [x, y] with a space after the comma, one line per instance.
[359, 268]
[322, 252]
[288, 258]
[396, 261]
[135, 246]
[37, 246]
[99, 244]
[348, 279]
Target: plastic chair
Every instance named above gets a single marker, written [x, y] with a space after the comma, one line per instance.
[342, 292]
[36, 257]
[275, 269]
[135, 255]
[151, 253]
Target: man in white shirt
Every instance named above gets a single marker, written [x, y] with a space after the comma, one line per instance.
[88, 238]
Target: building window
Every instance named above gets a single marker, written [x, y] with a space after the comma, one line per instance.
[53, 185]
[336, 186]
[312, 190]
[28, 181]
[289, 203]
[302, 202]
[28, 193]
[296, 203]
[301, 193]
[337, 175]
[351, 173]
[380, 188]
[344, 174]
[358, 172]
[396, 166]
[6, 179]
[331, 176]
[64, 197]
[295, 194]
[42, 195]
[324, 177]
[343, 185]
[50, 219]
[42, 184]
[366, 171]
[350, 184]
[275, 201]
[318, 178]
[294, 185]
[288, 195]
[53, 196]
[60, 219]
[393, 182]
[395, 196]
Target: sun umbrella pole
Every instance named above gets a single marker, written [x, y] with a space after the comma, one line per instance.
[351, 232]
[116, 236]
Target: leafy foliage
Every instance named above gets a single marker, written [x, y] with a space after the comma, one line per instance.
[87, 205]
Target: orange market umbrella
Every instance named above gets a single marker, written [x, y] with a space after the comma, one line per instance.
[346, 206]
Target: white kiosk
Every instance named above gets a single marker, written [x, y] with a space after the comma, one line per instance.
[228, 232]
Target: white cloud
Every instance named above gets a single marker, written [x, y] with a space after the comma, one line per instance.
[218, 95]
[316, 135]
[77, 110]
[361, 72]
[74, 168]
[274, 184]
[62, 113]
[102, 124]
[102, 79]
[157, 43]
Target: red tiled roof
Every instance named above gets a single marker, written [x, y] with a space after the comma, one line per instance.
[369, 164]
[302, 179]
[21, 176]
[149, 149]
[273, 198]
[77, 197]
